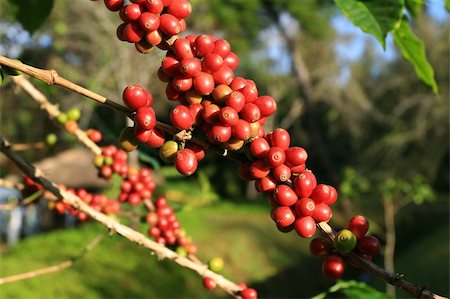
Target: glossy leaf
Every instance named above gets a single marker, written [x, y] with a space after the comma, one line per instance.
[376, 17]
[413, 50]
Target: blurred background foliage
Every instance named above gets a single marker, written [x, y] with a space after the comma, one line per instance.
[369, 125]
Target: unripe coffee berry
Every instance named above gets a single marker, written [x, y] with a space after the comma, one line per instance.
[345, 241]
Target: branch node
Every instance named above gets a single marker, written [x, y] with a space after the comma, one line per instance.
[53, 77]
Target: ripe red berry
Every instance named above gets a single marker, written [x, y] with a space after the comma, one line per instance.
[219, 134]
[169, 24]
[132, 32]
[179, 8]
[203, 45]
[130, 13]
[222, 47]
[154, 38]
[333, 196]
[320, 246]
[211, 113]
[190, 67]
[224, 75]
[141, 134]
[145, 118]
[149, 21]
[71, 126]
[284, 195]
[94, 135]
[249, 293]
[368, 245]
[156, 138]
[305, 206]
[250, 113]
[134, 96]
[235, 100]
[275, 157]
[198, 150]
[186, 162]
[209, 283]
[259, 148]
[242, 130]
[305, 226]
[282, 173]
[204, 83]
[238, 83]
[321, 193]
[259, 169]
[114, 5]
[182, 48]
[283, 216]
[250, 92]
[280, 138]
[295, 156]
[154, 6]
[266, 184]
[267, 105]
[181, 117]
[182, 84]
[358, 225]
[171, 65]
[228, 116]
[303, 185]
[211, 63]
[220, 93]
[232, 61]
[322, 213]
[333, 267]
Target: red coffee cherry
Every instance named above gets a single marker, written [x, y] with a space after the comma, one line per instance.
[244, 172]
[305, 206]
[95, 135]
[305, 226]
[283, 216]
[259, 148]
[209, 283]
[232, 61]
[145, 118]
[358, 225]
[284, 195]
[169, 24]
[280, 138]
[333, 196]
[130, 13]
[275, 157]
[132, 32]
[333, 267]
[204, 83]
[141, 135]
[181, 117]
[154, 38]
[266, 105]
[235, 100]
[149, 21]
[211, 114]
[250, 92]
[228, 116]
[320, 246]
[224, 75]
[134, 96]
[182, 48]
[186, 162]
[219, 134]
[250, 113]
[266, 184]
[238, 83]
[234, 144]
[322, 213]
[114, 5]
[203, 45]
[211, 63]
[303, 185]
[321, 193]
[154, 6]
[368, 245]
[220, 93]
[196, 111]
[295, 156]
[222, 47]
[179, 8]
[190, 66]
[171, 65]
[259, 169]
[282, 173]
[249, 293]
[198, 150]
[182, 84]
[156, 138]
[241, 130]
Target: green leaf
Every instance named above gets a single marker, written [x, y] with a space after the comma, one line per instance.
[414, 6]
[352, 289]
[413, 50]
[376, 17]
[447, 5]
[32, 13]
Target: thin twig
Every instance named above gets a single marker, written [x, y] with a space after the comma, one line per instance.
[61, 266]
[28, 146]
[114, 226]
[53, 111]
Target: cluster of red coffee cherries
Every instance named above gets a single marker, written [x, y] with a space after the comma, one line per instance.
[97, 201]
[148, 23]
[245, 293]
[166, 229]
[137, 186]
[351, 239]
[112, 160]
[278, 169]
